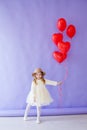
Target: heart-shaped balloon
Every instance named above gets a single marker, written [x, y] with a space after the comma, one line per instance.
[64, 46]
[59, 57]
[61, 24]
[71, 31]
[57, 37]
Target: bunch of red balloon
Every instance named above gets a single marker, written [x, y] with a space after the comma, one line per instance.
[63, 46]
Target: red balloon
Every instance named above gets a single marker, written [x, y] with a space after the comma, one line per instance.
[61, 24]
[57, 37]
[64, 46]
[59, 57]
[71, 30]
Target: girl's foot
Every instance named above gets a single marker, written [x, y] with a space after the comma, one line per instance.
[38, 121]
[25, 118]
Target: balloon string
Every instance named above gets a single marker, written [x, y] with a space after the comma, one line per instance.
[60, 94]
[60, 87]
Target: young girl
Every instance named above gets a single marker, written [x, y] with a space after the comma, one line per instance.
[39, 95]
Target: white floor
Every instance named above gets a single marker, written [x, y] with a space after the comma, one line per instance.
[67, 122]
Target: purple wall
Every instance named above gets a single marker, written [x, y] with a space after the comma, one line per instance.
[26, 28]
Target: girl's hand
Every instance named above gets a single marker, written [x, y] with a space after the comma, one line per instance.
[59, 83]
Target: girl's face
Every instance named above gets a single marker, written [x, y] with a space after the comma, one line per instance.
[39, 75]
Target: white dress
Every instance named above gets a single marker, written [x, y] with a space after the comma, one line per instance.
[40, 92]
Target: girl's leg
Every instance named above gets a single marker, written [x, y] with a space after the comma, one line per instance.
[26, 111]
[38, 114]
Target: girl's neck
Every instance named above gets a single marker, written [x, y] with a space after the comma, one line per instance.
[39, 79]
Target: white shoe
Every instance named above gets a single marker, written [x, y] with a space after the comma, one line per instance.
[25, 118]
[38, 121]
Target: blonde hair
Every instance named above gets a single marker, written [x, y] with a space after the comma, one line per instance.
[42, 79]
[34, 75]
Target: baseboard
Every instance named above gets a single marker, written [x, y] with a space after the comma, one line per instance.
[44, 112]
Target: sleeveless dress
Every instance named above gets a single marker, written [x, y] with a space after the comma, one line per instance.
[40, 92]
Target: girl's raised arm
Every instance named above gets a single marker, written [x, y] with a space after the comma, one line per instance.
[54, 83]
